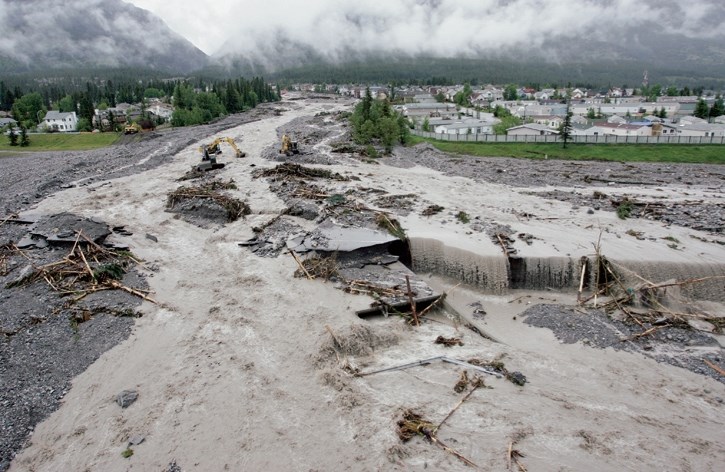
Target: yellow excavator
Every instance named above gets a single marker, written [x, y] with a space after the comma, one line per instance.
[131, 128]
[289, 147]
[210, 151]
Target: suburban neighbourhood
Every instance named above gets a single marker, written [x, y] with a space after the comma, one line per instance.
[452, 111]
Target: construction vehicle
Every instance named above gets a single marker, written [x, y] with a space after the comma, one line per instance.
[211, 151]
[131, 128]
[289, 147]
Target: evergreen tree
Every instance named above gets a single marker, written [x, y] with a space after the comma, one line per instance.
[701, 109]
[12, 136]
[509, 93]
[367, 103]
[86, 110]
[718, 108]
[24, 140]
[426, 125]
[565, 128]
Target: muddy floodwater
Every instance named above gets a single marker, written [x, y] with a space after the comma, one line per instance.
[571, 339]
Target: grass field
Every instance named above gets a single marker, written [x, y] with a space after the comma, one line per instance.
[696, 154]
[61, 142]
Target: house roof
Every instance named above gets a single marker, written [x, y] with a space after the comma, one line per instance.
[472, 124]
[604, 124]
[56, 115]
[535, 127]
[699, 127]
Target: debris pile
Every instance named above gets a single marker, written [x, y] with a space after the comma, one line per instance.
[207, 202]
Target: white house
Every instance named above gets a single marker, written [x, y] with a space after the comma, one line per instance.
[704, 130]
[466, 127]
[620, 129]
[57, 121]
[162, 110]
[531, 129]
[7, 121]
[551, 121]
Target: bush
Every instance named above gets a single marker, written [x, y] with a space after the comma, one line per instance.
[624, 210]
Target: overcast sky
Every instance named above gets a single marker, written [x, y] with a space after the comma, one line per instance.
[441, 26]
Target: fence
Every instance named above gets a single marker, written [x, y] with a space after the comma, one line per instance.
[495, 138]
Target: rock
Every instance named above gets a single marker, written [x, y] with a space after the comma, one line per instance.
[152, 237]
[701, 325]
[308, 211]
[136, 440]
[517, 378]
[172, 467]
[24, 272]
[590, 211]
[126, 398]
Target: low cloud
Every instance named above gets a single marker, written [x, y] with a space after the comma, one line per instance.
[74, 32]
[454, 27]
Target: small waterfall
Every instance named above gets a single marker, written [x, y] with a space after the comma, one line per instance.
[484, 272]
[713, 288]
[498, 274]
[541, 273]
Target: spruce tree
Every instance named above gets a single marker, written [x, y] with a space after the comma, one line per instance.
[701, 109]
[565, 128]
[24, 140]
[13, 137]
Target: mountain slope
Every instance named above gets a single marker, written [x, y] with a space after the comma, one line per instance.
[47, 34]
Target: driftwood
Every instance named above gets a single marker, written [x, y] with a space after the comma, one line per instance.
[714, 367]
[416, 321]
[299, 263]
[74, 275]
[430, 361]
[412, 424]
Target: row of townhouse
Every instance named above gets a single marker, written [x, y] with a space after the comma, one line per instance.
[632, 129]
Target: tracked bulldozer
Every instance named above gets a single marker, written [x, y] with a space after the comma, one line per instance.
[209, 153]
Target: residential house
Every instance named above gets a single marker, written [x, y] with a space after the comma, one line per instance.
[468, 126]
[162, 110]
[431, 110]
[617, 119]
[577, 94]
[550, 121]
[704, 130]
[579, 120]
[424, 98]
[7, 121]
[57, 121]
[531, 129]
[602, 128]
[631, 108]
[544, 94]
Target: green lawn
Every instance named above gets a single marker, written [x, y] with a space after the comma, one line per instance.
[62, 142]
[699, 154]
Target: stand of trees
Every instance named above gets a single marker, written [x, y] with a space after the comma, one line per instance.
[232, 96]
[30, 102]
[376, 121]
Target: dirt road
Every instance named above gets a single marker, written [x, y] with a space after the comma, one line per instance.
[232, 372]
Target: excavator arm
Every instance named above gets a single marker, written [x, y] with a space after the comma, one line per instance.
[215, 147]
